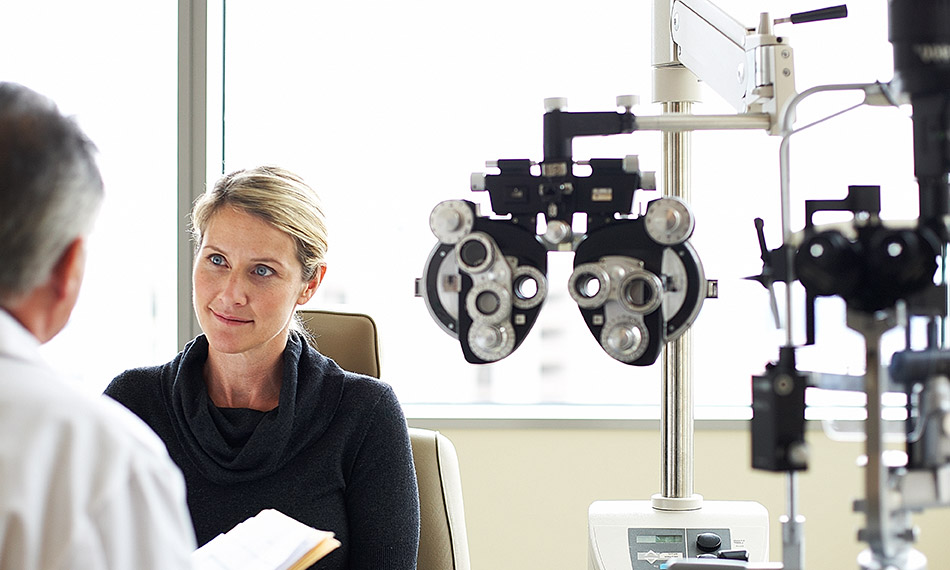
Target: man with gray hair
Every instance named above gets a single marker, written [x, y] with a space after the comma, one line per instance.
[83, 483]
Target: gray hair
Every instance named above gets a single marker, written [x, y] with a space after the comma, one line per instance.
[50, 188]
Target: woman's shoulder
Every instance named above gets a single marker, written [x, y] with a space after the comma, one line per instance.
[367, 386]
[371, 399]
[143, 383]
[139, 375]
[147, 381]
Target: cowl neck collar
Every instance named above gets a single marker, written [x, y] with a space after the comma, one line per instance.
[234, 445]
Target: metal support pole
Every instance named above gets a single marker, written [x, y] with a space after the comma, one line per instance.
[793, 527]
[676, 88]
[888, 531]
[677, 399]
[877, 532]
[677, 421]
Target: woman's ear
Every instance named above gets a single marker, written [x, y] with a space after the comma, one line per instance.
[311, 286]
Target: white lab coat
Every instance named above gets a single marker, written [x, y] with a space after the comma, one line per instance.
[84, 484]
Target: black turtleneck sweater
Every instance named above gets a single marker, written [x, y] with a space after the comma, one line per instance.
[334, 454]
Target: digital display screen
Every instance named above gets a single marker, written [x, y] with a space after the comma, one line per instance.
[659, 538]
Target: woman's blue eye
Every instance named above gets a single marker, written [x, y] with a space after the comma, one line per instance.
[263, 271]
[216, 259]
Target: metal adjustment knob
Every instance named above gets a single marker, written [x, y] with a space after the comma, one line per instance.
[628, 101]
[451, 220]
[625, 339]
[555, 104]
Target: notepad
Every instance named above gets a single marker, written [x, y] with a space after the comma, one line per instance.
[269, 540]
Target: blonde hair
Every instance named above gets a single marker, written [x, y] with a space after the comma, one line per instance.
[280, 198]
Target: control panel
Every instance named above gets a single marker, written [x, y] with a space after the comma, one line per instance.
[652, 546]
[633, 535]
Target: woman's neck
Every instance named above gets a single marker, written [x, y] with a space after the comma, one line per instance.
[244, 381]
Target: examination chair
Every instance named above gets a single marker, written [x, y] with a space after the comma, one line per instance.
[352, 341]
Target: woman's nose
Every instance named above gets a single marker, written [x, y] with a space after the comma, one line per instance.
[234, 290]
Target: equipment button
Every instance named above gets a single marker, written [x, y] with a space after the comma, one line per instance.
[708, 541]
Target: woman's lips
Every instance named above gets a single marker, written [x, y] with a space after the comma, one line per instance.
[230, 320]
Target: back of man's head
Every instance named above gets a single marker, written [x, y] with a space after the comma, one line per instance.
[50, 188]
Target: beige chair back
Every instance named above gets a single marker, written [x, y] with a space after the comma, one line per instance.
[443, 540]
[351, 340]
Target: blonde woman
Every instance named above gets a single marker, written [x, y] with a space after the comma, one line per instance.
[252, 414]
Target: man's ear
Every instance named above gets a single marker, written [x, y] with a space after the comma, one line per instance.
[312, 285]
[67, 274]
[47, 309]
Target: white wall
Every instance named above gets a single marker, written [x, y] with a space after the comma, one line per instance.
[527, 491]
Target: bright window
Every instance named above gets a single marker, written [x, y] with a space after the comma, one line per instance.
[112, 65]
[386, 108]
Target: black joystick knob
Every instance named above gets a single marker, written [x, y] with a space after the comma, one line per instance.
[708, 541]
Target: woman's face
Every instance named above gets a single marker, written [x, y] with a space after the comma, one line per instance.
[247, 283]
